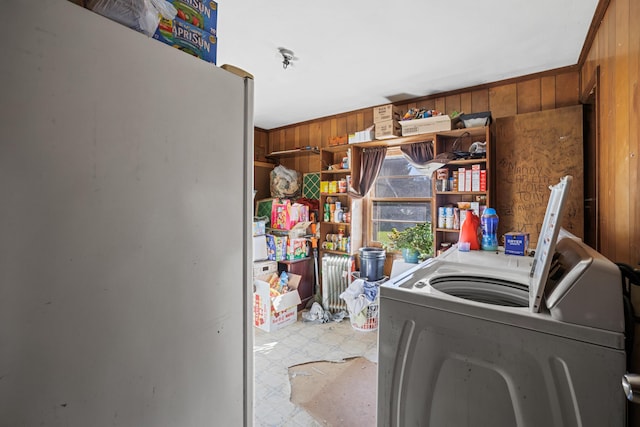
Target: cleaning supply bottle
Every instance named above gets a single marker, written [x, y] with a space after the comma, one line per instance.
[489, 222]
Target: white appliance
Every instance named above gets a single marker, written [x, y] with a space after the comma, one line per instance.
[125, 227]
[487, 339]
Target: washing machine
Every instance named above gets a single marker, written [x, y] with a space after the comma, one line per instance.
[481, 338]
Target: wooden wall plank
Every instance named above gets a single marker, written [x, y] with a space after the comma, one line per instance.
[452, 103]
[528, 93]
[503, 101]
[465, 102]
[480, 101]
[548, 93]
[567, 89]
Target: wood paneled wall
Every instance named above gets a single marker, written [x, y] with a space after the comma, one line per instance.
[615, 52]
[556, 88]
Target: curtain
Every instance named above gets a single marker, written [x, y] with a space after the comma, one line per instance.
[370, 163]
[419, 153]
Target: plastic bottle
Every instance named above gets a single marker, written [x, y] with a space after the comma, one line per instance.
[489, 222]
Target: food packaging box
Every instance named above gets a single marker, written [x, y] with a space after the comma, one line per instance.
[296, 248]
[461, 179]
[264, 267]
[188, 38]
[199, 13]
[428, 125]
[276, 247]
[516, 243]
[260, 248]
[384, 113]
[270, 311]
[284, 215]
[387, 129]
[338, 140]
[259, 227]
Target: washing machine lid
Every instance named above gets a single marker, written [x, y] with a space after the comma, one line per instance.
[547, 240]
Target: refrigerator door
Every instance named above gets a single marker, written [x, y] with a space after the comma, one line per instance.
[125, 189]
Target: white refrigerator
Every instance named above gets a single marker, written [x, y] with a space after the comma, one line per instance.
[125, 209]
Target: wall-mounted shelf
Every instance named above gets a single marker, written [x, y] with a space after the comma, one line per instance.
[293, 153]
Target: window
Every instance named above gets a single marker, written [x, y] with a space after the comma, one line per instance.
[400, 197]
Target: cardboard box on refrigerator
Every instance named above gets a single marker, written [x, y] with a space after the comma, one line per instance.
[272, 311]
[384, 113]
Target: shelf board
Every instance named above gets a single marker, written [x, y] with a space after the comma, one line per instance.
[347, 224]
[460, 193]
[336, 171]
[467, 161]
[448, 230]
[332, 251]
[293, 153]
[335, 194]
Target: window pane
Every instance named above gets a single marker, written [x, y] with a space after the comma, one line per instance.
[409, 186]
[399, 215]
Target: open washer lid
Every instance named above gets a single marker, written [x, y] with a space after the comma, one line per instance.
[547, 240]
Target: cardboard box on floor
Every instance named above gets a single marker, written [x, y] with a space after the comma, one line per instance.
[272, 313]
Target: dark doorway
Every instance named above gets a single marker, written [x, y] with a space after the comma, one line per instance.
[591, 164]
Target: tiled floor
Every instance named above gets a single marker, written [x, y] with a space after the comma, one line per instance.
[301, 342]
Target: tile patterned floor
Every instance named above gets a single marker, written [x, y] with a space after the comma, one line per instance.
[301, 342]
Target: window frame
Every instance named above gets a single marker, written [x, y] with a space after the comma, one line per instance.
[371, 199]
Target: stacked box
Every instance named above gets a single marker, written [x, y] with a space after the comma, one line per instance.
[385, 113]
[199, 13]
[387, 129]
[187, 38]
[385, 119]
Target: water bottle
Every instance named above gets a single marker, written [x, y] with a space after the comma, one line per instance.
[489, 222]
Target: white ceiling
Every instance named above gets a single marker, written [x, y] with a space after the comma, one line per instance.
[354, 54]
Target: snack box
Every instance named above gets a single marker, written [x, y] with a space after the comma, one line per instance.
[199, 13]
[187, 38]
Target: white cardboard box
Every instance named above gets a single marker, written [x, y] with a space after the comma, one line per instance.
[428, 125]
[260, 248]
[264, 267]
[272, 313]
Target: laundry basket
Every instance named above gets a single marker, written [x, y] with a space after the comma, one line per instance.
[367, 318]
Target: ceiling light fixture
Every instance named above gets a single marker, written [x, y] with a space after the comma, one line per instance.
[287, 57]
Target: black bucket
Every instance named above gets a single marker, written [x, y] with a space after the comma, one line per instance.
[372, 264]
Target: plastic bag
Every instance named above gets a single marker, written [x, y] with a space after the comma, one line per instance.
[140, 15]
[469, 231]
[285, 182]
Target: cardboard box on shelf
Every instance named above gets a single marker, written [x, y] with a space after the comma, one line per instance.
[385, 113]
[387, 129]
[296, 248]
[362, 136]
[260, 248]
[276, 247]
[272, 310]
[338, 140]
[428, 125]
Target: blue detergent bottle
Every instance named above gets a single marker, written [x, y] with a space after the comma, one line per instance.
[489, 221]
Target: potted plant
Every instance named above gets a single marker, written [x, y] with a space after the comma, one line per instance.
[416, 243]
